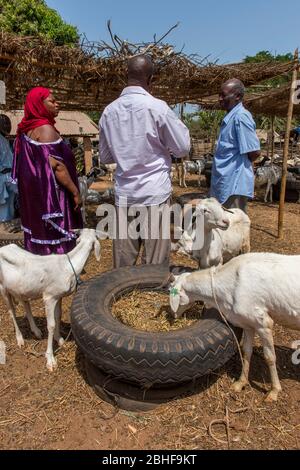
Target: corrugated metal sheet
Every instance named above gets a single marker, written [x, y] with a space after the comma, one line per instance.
[69, 123]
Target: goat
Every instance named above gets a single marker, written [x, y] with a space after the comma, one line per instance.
[252, 291]
[226, 234]
[25, 277]
[194, 166]
[269, 175]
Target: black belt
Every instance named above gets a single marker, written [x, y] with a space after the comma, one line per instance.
[5, 171]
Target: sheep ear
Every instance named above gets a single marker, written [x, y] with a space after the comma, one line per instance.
[97, 249]
[174, 299]
[101, 235]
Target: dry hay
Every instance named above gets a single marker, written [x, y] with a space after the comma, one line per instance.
[150, 311]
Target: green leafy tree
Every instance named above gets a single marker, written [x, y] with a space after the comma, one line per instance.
[204, 124]
[35, 18]
[265, 123]
[95, 116]
[267, 56]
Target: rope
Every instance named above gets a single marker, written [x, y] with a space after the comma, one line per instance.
[77, 278]
[212, 272]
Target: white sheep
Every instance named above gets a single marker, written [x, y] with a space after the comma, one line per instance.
[226, 234]
[252, 291]
[193, 166]
[268, 175]
[25, 277]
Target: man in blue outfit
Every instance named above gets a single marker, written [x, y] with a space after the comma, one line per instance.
[232, 182]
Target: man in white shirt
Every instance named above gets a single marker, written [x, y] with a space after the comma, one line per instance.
[138, 132]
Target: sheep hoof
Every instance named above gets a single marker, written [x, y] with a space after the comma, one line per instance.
[238, 386]
[51, 363]
[37, 333]
[20, 341]
[272, 396]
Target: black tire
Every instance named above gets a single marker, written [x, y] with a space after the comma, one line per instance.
[132, 397]
[142, 357]
[295, 170]
[292, 189]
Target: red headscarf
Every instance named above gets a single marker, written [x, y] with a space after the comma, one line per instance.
[35, 113]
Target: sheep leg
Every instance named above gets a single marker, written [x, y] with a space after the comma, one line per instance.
[83, 212]
[178, 171]
[50, 305]
[28, 313]
[267, 190]
[199, 182]
[247, 348]
[12, 312]
[266, 337]
[57, 314]
[184, 175]
[271, 193]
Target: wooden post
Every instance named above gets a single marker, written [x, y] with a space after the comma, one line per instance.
[88, 154]
[182, 111]
[286, 147]
[272, 138]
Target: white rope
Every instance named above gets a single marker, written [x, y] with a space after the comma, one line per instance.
[212, 272]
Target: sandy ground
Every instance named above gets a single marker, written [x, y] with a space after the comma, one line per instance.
[40, 410]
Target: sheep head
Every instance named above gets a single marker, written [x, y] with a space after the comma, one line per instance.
[213, 213]
[91, 234]
[179, 300]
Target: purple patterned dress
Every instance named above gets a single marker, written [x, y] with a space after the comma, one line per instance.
[46, 208]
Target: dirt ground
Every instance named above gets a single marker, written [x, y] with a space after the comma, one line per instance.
[42, 410]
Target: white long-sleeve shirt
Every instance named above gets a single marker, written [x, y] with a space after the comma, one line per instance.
[138, 132]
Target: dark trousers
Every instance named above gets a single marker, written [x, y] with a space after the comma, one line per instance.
[237, 202]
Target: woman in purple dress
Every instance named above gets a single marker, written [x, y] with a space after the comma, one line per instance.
[44, 169]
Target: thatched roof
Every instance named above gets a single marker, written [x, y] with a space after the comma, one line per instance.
[91, 76]
[273, 102]
[69, 123]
